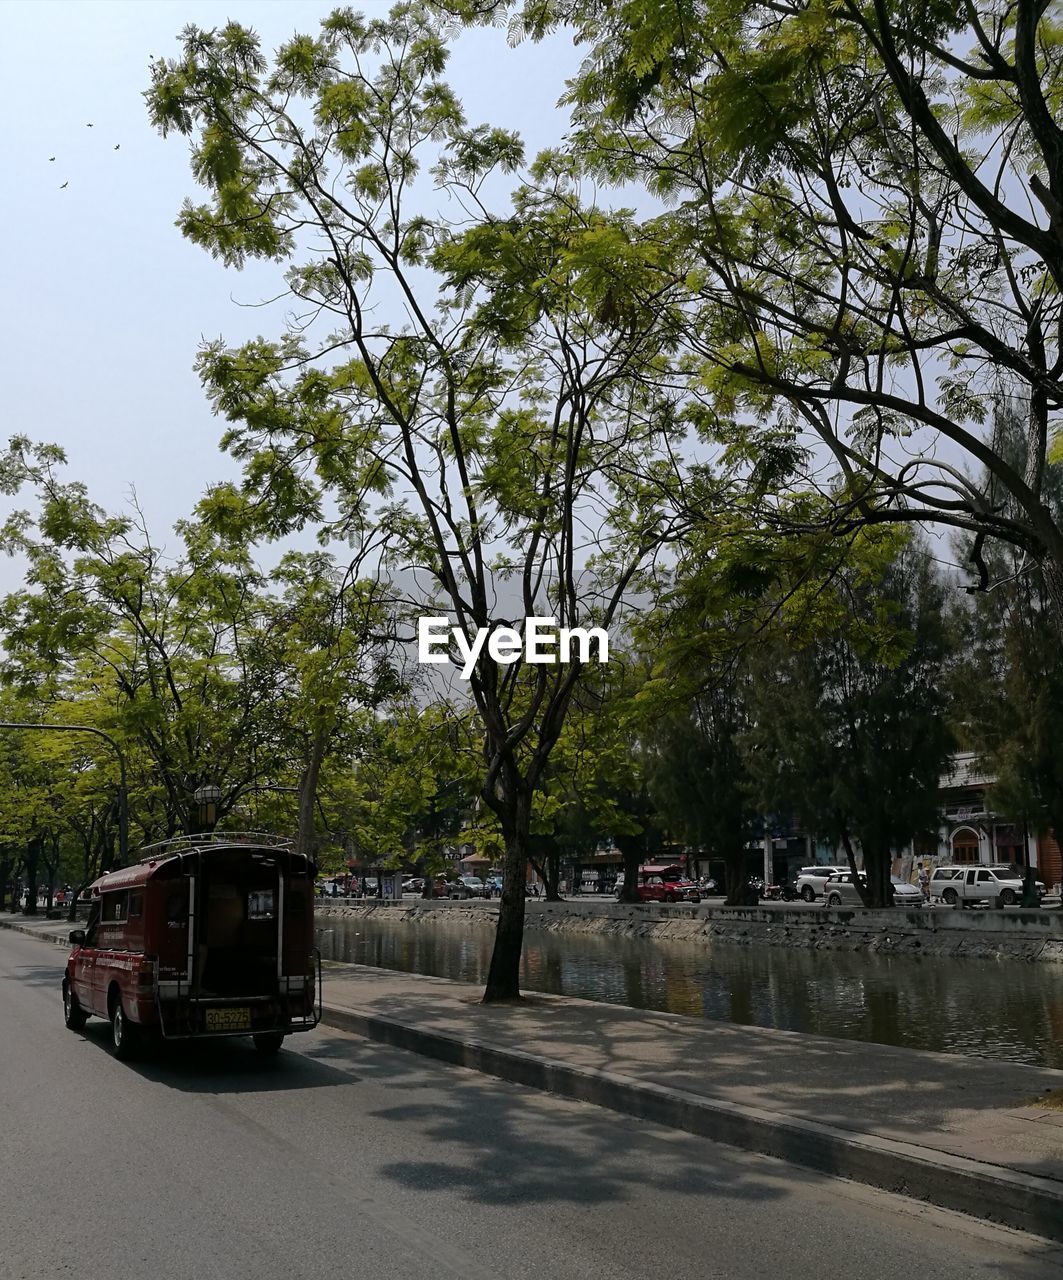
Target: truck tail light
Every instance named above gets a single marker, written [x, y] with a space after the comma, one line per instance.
[146, 972]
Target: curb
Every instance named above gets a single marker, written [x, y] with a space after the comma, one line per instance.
[1020, 1200]
[45, 935]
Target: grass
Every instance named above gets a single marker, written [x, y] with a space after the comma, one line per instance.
[1053, 1100]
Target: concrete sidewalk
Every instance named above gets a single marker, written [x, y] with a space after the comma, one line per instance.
[964, 1133]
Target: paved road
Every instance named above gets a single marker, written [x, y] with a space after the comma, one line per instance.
[345, 1159]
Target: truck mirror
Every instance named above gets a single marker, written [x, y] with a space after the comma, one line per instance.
[77, 936]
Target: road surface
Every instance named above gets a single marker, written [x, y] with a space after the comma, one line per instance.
[341, 1158]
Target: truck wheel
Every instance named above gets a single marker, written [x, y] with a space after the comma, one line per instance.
[808, 893]
[73, 1015]
[1007, 898]
[268, 1042]
[123, 1033]
[950, 896]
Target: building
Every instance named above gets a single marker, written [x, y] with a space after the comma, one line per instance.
[973, 830]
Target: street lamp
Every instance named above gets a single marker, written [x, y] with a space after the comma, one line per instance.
[207, 797]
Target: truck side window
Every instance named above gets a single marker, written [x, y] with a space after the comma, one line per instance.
[136, 906]
[115, 906]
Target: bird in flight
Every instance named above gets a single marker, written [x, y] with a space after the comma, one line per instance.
[89, 125]
[50, 159]
[65, 185]
[117, 145]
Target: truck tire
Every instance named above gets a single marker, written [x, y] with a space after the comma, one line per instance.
[124, 1037]
[73, 1015]
[1007, 898]
[268, 1042]
[950, 897]
[808, 893]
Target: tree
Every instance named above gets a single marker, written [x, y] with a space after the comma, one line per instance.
[467, 390]
[413, 788]
[866, 214]
[1007, 690]
[849, 729]
[700, 775]
[596, 786]
[330, 639]
[202, 666]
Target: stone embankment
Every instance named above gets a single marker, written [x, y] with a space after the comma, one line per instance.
[1013, 934]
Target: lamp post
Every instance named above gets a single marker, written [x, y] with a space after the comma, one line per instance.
[206, 798]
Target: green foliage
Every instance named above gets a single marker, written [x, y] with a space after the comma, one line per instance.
[201, 666]
[863, 210]
[849, 728]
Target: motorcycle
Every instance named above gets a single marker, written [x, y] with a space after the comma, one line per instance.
[778, 893]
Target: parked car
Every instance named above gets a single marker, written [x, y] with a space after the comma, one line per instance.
[906, 894]
[474, 885]
[453, 889]
[840, 890]
[415, 884]
[666, 884]
[963, 885]
[811, 880]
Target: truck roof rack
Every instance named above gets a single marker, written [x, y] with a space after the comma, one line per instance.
[184, 844]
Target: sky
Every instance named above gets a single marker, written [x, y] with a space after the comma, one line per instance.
[105, 304]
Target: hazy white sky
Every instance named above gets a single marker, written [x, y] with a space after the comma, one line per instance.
[104, 303]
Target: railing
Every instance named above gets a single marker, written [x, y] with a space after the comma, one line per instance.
[208, 839]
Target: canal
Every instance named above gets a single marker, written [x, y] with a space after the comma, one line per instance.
[990, 1008]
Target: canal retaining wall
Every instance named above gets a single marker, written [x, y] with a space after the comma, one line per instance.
[1015, 935]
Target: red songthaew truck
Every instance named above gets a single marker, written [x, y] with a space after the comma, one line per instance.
[208, 935]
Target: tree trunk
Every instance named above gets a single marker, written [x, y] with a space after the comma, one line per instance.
[1052, 572]
[631, 847]
[545, 856]
[875, 889]
[850, 855]
[31, 880]
[878, 864]
[736, 881]
[306, 839]
[503, 977]
[6, 865]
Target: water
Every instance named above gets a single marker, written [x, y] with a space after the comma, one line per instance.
[995, 1009]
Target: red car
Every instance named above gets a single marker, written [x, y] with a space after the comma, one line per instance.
[666, 884]
[206, 936]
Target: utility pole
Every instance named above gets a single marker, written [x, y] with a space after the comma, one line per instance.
[123, 796]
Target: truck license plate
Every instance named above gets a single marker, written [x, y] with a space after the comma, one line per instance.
[229, 1019]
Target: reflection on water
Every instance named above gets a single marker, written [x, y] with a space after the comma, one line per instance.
[995, 1009]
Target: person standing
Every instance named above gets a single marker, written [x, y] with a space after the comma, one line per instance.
[924, 881]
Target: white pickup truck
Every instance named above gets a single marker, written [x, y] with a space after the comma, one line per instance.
[961, 886]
